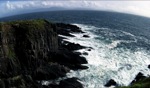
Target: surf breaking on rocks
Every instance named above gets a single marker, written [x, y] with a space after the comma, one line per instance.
[107, 61]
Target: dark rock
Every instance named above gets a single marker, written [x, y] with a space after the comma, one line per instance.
[89, 49]
[138, 77]
[86, 36]
[111, 82]
[149, 66]
[48, 72]
[85, 53]
[2, 84]
[19, 82]
[28, 49]
[66, 29]
[76, 67]
[69, 27]
[65, 33]
[53, 86]
[77, 53]
[61, 38]
[72, 46]
[140, 82]
[70, 83]
[45, 86]
[65, 56]
[27, 44]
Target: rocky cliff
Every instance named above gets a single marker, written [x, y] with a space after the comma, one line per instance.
[30, 51]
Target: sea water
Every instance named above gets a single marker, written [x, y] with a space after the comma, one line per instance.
[120, 44]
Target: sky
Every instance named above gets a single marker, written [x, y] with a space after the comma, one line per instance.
[12, 7]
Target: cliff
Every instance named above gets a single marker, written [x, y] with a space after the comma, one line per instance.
[30, 51]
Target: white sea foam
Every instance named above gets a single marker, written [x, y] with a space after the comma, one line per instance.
[106, 63]
[127, 33]
[114, 44]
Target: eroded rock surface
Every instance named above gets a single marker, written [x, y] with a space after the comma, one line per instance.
[30, 51]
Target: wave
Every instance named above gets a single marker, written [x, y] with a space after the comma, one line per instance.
[108, 61]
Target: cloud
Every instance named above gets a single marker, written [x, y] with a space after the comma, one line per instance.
[133, 7]
[13, 5]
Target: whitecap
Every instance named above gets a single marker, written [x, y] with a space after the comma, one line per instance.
[106, 62]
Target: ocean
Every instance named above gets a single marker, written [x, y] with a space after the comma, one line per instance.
[120, 44]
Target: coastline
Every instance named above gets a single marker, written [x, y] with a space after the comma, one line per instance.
[32, 51]
[43, 62]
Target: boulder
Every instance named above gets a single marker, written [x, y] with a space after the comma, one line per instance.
[89, 49]
[149, 66]
[111, 82]
[86, 36]
[85, 53]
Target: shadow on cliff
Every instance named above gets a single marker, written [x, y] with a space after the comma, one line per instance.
[31, 51]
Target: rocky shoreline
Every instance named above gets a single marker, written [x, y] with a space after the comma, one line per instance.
[32, 51]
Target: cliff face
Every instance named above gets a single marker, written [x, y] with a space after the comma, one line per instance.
[24, 43]
[31, 50]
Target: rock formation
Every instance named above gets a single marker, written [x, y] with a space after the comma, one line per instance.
[111, 82]
[140, 81]
[30, 51]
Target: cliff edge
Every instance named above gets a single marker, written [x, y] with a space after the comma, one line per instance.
[31, 51]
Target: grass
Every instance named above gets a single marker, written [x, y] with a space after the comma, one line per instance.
[143, 83]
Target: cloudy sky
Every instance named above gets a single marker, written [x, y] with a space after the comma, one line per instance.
[11, 7]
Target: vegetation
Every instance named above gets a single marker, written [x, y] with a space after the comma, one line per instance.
[143, 83]
[27, 47]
